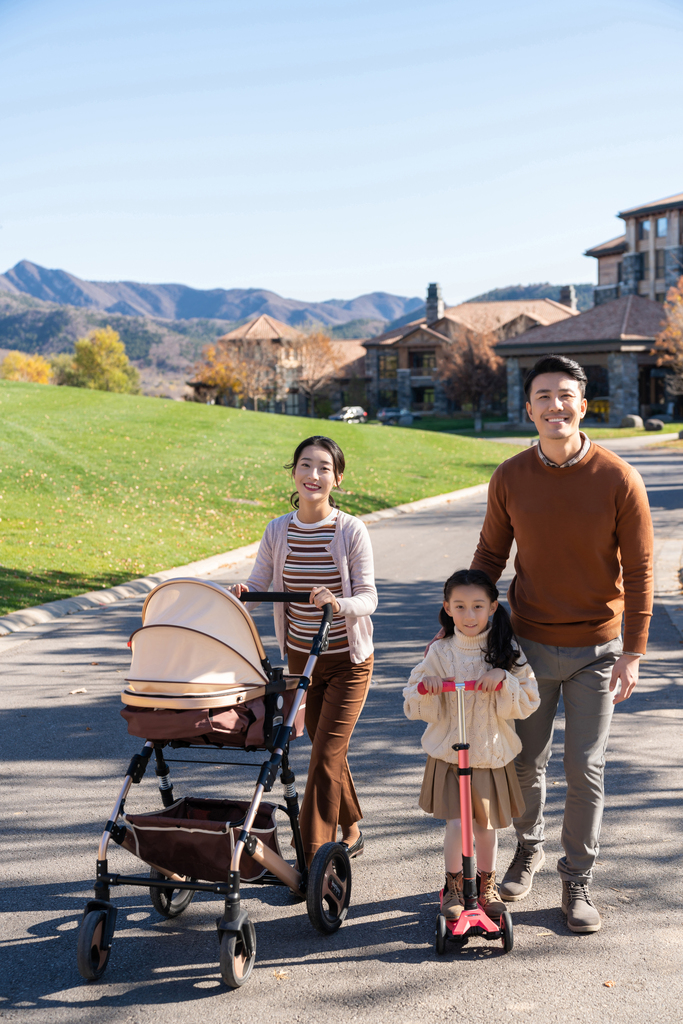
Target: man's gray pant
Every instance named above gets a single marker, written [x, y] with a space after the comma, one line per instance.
[582, 675]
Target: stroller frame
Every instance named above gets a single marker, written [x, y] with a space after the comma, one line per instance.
[326, 886]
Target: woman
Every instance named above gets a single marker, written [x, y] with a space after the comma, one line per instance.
[326, 553]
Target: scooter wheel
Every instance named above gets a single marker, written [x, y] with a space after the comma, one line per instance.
[506, 928]
[91, 958]
[169, 902]
[328, 892]
[236, 964]
[441, 933]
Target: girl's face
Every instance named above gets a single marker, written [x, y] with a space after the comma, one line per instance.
[314, 475]
[470, 608]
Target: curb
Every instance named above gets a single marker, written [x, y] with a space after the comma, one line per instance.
[42, 613]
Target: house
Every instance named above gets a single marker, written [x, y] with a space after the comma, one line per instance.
[647, 259]
[402, 363]
[613, 342]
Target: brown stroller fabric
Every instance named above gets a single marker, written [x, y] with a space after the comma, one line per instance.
[195, 837]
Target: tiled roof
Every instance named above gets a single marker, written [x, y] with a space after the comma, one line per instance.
[263, 328]
[389, 337]
[630, 318]
[657, 206]
[351, 353]
[486, 317]
[614, 246]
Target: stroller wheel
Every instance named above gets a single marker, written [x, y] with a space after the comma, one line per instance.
[169, 902]
[506, 928]
[441, 932]
[328, 893]
[91, 959]
[236, 964]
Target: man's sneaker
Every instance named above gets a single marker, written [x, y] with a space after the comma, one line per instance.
[519, 876]
[489, 897]
[582, 914]
[452, 902]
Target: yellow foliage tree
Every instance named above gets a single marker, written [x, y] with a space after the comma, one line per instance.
[669, 343]
[22, 366]
[99, 362]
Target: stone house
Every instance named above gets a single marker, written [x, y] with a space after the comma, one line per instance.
[648, 258]
[612, 341]
[402, 363]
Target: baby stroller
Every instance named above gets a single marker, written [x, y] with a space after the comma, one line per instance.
[200, 678]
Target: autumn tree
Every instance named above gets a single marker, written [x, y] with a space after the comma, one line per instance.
[317, 364]
[470, 371]
[246, 368]
[669, 342]
[22, 366]
[99, 362]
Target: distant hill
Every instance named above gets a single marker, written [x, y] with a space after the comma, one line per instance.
[584, 293]
[179, 302]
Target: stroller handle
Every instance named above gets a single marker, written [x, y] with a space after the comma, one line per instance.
[276, 596]
[449, 686]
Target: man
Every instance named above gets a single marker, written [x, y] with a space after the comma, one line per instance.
[581, 520]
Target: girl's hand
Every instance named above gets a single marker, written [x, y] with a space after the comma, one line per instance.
[489, 681]
[433, 685]
[320, 596]
[238, 588]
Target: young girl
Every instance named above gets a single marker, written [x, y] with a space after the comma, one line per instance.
[472, 648]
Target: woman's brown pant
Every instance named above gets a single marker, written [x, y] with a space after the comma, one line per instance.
[334, 702]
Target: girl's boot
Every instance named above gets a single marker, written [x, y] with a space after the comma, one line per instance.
[452, 902]
[489, 897]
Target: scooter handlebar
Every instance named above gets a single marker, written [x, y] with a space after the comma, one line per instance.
[449, 686]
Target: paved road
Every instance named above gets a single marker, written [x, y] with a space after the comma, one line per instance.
[64, 755]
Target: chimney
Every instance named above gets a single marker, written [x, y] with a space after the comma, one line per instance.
[434, 304]
[568, 296]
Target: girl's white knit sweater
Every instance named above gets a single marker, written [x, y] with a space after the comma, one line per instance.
[490, 731]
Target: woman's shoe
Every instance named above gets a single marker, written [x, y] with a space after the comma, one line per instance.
[356, 848]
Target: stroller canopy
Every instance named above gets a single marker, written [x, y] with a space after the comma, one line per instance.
[198, 647]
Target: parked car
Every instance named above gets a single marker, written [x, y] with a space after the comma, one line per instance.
[390, 416]
[350, 414]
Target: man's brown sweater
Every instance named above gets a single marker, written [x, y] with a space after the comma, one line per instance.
[584, 549]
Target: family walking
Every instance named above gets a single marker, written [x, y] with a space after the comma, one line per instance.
[580, 518]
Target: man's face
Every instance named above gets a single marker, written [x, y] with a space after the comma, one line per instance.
[556, 407]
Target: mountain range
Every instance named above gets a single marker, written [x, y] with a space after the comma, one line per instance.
[180, 302]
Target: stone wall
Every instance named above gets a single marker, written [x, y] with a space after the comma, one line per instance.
[515, 391]
[605, 293]
[673, 265]
[623, 386]
[631, 272]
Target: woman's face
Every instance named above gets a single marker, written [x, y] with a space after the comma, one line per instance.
[314, 475]
[470, 608]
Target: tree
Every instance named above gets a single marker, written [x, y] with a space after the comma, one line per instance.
[470, 371]
[218, 370]
[317, 364]
[247, 368]
[669, 342]
[22, 366]
[99, 362]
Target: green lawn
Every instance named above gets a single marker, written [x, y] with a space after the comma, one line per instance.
[98, 488]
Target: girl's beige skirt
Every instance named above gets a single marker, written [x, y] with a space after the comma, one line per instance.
[496, 793]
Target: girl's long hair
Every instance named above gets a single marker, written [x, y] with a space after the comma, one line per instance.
[333, 450]
[501, 648]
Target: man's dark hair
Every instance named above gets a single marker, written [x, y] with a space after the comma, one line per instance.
[556, 364]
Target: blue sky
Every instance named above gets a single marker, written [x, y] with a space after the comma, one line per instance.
[326, 149]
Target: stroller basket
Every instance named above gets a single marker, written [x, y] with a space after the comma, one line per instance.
[196, 837]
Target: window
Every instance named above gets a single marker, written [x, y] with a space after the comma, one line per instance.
[644, 230]
[659, 262]
[423, 399]
[620, 272]
[662, 226]
[388, 398]
[424, 362]
[646, 266]
[388, 365]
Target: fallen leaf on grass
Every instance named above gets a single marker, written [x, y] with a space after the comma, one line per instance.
[609, 984]
[280, 975]
[78, 691]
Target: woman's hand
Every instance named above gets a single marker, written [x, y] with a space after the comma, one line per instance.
[238, 588]
[489, 681]
[433, 685]
[439, 636]
[320, 596]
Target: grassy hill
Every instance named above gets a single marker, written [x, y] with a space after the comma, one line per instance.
[99, 488]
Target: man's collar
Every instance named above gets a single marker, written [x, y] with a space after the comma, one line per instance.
[571, 462]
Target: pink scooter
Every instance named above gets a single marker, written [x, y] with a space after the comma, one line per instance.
[473, 920]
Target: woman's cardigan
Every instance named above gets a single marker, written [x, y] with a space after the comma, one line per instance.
[490, 731]
[351, 552]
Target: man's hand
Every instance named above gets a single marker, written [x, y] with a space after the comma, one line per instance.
[625, 671]
[439, 636]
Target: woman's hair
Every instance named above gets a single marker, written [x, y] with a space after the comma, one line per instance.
[501, 650]
[333, 450]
